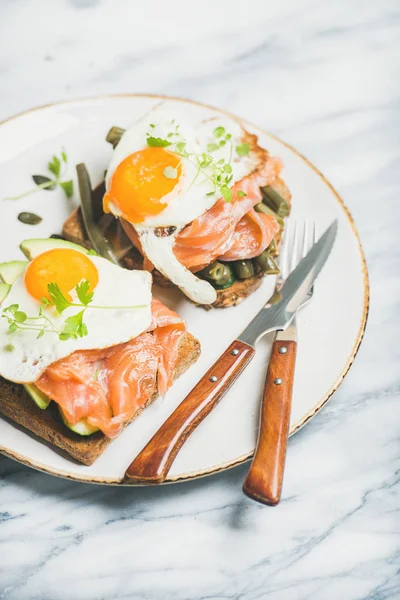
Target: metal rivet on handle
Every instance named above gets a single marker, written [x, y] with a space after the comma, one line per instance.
[282, 350]
[235, 352]
[213, 378]
[278, 381]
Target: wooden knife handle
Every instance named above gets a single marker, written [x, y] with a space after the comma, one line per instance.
[154, 461]
[264, 479]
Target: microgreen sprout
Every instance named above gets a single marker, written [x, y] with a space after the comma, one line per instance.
[218, 172]
[72, 327]
[57, 167]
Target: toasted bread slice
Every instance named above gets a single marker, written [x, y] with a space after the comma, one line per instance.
[74, 231]
[18, 406]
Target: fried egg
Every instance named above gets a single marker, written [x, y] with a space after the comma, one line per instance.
[24, 356]
[153, 185]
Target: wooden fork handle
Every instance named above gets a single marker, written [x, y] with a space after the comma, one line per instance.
[264, 479]
[154, 462]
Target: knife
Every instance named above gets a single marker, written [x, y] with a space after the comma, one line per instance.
[153, 463]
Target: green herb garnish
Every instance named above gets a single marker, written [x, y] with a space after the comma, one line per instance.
[72, 327]
[243, 149]
[57, 167]
[157, 142]
[218, 172]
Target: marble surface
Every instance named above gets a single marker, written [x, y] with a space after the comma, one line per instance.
[324, 77]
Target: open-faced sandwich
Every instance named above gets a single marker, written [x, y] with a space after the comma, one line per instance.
[83, 346]
[202, 204]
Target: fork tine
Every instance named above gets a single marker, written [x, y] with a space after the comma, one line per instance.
[306, 239]
[315, 233]
[297, 240]
[295, 248]
[285, 253]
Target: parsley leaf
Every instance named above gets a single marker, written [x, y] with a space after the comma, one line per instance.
[82, 291]
[57, 297]
[241, 194]
[68, 187]
[74, 327]
[64, 156]
[156, 142]
[92, 252]
[55, 165]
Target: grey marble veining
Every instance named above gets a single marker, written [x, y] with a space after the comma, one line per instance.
[324, 77]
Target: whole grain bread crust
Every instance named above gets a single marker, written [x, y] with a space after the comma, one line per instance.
[17, 406]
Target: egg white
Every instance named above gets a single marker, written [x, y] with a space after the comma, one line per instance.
[191, 198]
[106, 327]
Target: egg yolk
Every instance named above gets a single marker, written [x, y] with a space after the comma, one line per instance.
[141, 182]
[63, 266]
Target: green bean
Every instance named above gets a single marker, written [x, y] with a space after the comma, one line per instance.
[261, 207]
[272, 249]
[266, 263]
[227, 283]
[217, 273]
[243, 269]
[275, 201]
[95, 235]
[114, 135]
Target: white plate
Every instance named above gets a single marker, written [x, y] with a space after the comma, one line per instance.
[330, 328]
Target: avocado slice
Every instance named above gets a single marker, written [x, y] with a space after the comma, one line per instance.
[82, 427]
[33, 247]
[10, 271]
[37, 396]
[4, 289]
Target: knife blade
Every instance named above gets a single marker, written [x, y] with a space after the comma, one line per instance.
[292, 293]
[153, 463]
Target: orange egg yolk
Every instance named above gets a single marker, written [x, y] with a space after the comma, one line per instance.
[63, 266]
[139, 184]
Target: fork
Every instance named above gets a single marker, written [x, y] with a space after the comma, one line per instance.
[265, 477]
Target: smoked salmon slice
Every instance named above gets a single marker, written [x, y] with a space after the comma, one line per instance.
[108, 386]
[253, 234]
[215, 234]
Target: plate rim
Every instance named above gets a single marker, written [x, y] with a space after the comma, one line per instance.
[305, 418]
